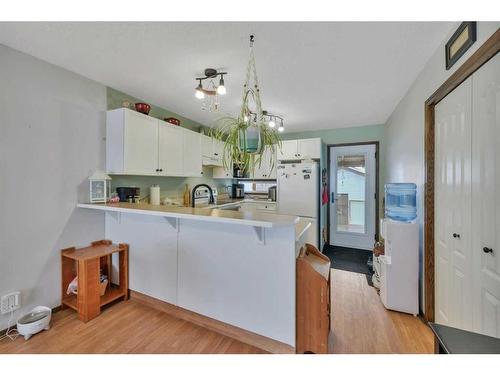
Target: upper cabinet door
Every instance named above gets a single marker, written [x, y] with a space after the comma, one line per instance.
[218, 151]
[192, 153]
[309, 148]
[266, 169]
[288, 150]
[170, 150]
[206, 146]
[272, 163]
[140, 144]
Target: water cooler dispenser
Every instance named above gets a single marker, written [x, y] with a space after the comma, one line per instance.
[399, 265]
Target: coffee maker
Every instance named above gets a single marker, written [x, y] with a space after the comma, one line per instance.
[128, 194]
[238, 191]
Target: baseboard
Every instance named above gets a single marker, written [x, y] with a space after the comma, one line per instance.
[236, 333]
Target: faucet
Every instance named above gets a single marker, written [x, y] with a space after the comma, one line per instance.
[210, 201]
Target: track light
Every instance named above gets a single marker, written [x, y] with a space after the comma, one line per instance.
[272, 124]
[199, 91]
[221, 89]
[281, 128]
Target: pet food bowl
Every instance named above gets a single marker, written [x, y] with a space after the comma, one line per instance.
[35, 321]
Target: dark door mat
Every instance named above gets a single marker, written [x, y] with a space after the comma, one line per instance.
[348, 259]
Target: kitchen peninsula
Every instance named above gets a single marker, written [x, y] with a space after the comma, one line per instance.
[235, 267]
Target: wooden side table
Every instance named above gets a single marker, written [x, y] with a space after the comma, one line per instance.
[88, 264]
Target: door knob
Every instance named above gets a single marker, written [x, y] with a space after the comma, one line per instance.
[456, 235]
[488, 250]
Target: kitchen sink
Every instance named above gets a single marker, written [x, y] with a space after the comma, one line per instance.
[230, 208]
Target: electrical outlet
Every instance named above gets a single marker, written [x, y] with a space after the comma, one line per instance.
[10, 302]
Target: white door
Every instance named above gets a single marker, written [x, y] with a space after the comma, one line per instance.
[352, 192]
[170, 150]
[486, 198]
[192, 153]
[453, 258]
[141, 144]
[288, 150]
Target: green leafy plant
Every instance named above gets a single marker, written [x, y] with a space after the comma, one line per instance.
[231, 129]
[234, 130]
[247, 136]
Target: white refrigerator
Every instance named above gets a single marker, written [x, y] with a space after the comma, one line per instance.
[298, 194]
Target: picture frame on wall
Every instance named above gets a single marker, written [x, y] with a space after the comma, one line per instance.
[460, 42]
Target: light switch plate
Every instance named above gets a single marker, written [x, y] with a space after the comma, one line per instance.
[10, 302]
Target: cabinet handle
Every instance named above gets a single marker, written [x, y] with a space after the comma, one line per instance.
[488, 250]
[216, 154]
[456, 235]
[157, 170]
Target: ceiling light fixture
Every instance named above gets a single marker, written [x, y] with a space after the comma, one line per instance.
[281, 128]
[199, 92]
[272, 119]
[271, 123]
[210, 95]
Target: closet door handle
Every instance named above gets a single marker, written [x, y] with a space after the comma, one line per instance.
[456, 235]
[488, 250]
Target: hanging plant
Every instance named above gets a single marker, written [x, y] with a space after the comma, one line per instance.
[247, 136]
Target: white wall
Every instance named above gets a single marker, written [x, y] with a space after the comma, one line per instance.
[404, 130]
[52, 126]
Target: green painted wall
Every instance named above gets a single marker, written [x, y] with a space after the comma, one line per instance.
[347, 135]
[171, 187]
[115, 99]
[344, 135]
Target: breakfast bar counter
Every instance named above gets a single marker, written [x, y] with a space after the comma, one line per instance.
[235, 267]
[256, 219]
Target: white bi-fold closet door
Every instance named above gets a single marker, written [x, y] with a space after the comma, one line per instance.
[467, 204]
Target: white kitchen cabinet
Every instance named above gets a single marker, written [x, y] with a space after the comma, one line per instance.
[288, 150]
[170, 150]
[137, 144]
[206, 146]
[191, 143]
[309, 148]
[212, 151]
[258, 206]
[266, 169]
[131, 143]
[221, 172]
[298, 149]
[218, 148]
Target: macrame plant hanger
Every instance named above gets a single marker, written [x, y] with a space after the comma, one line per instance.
[249, 135]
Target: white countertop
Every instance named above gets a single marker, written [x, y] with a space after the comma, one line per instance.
[252, 218]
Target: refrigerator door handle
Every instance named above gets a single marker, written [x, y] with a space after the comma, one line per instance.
[333, 197]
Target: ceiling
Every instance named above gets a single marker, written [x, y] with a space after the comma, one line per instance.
[320, 75]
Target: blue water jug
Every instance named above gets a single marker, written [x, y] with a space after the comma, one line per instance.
[401, 201]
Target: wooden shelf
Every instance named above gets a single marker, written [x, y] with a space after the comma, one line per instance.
[88, 264]
[70, 301]
[112, 293]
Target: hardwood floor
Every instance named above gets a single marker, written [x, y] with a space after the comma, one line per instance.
[361, 324]
[126, 327]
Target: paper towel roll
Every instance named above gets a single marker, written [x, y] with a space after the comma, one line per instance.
[154, 195]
